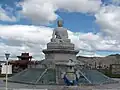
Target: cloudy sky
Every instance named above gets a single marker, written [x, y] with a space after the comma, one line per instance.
[27, 25]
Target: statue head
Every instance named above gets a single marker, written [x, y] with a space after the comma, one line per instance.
[60, 23]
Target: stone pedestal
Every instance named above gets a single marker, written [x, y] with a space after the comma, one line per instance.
[58, 52]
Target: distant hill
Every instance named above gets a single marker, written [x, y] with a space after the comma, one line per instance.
[115, 55]
[111, 59]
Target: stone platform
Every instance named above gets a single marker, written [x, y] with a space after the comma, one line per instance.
[18, 86]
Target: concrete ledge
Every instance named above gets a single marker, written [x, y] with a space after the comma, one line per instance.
[47, 51]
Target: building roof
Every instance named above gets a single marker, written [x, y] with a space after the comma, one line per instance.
[24, 55]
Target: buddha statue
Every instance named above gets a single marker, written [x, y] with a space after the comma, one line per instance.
[60, 33]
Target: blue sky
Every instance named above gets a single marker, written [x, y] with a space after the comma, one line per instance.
[84, 19]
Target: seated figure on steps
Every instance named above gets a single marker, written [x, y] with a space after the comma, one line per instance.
[60, 34]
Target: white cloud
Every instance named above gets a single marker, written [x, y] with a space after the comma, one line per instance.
[109, 20]
[108, 17]
[116, 2]
[5, 17]
[19, 38]
[39, 11]
[83, 6]
[43, 11]
[89, 54]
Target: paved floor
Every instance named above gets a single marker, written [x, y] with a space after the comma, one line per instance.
[17, 86]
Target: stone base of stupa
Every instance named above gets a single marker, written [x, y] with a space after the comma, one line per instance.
[57, 55]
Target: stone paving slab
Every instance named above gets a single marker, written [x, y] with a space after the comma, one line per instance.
[17, 86]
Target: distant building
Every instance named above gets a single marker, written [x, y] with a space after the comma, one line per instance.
[24, 60]
[115, 68]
